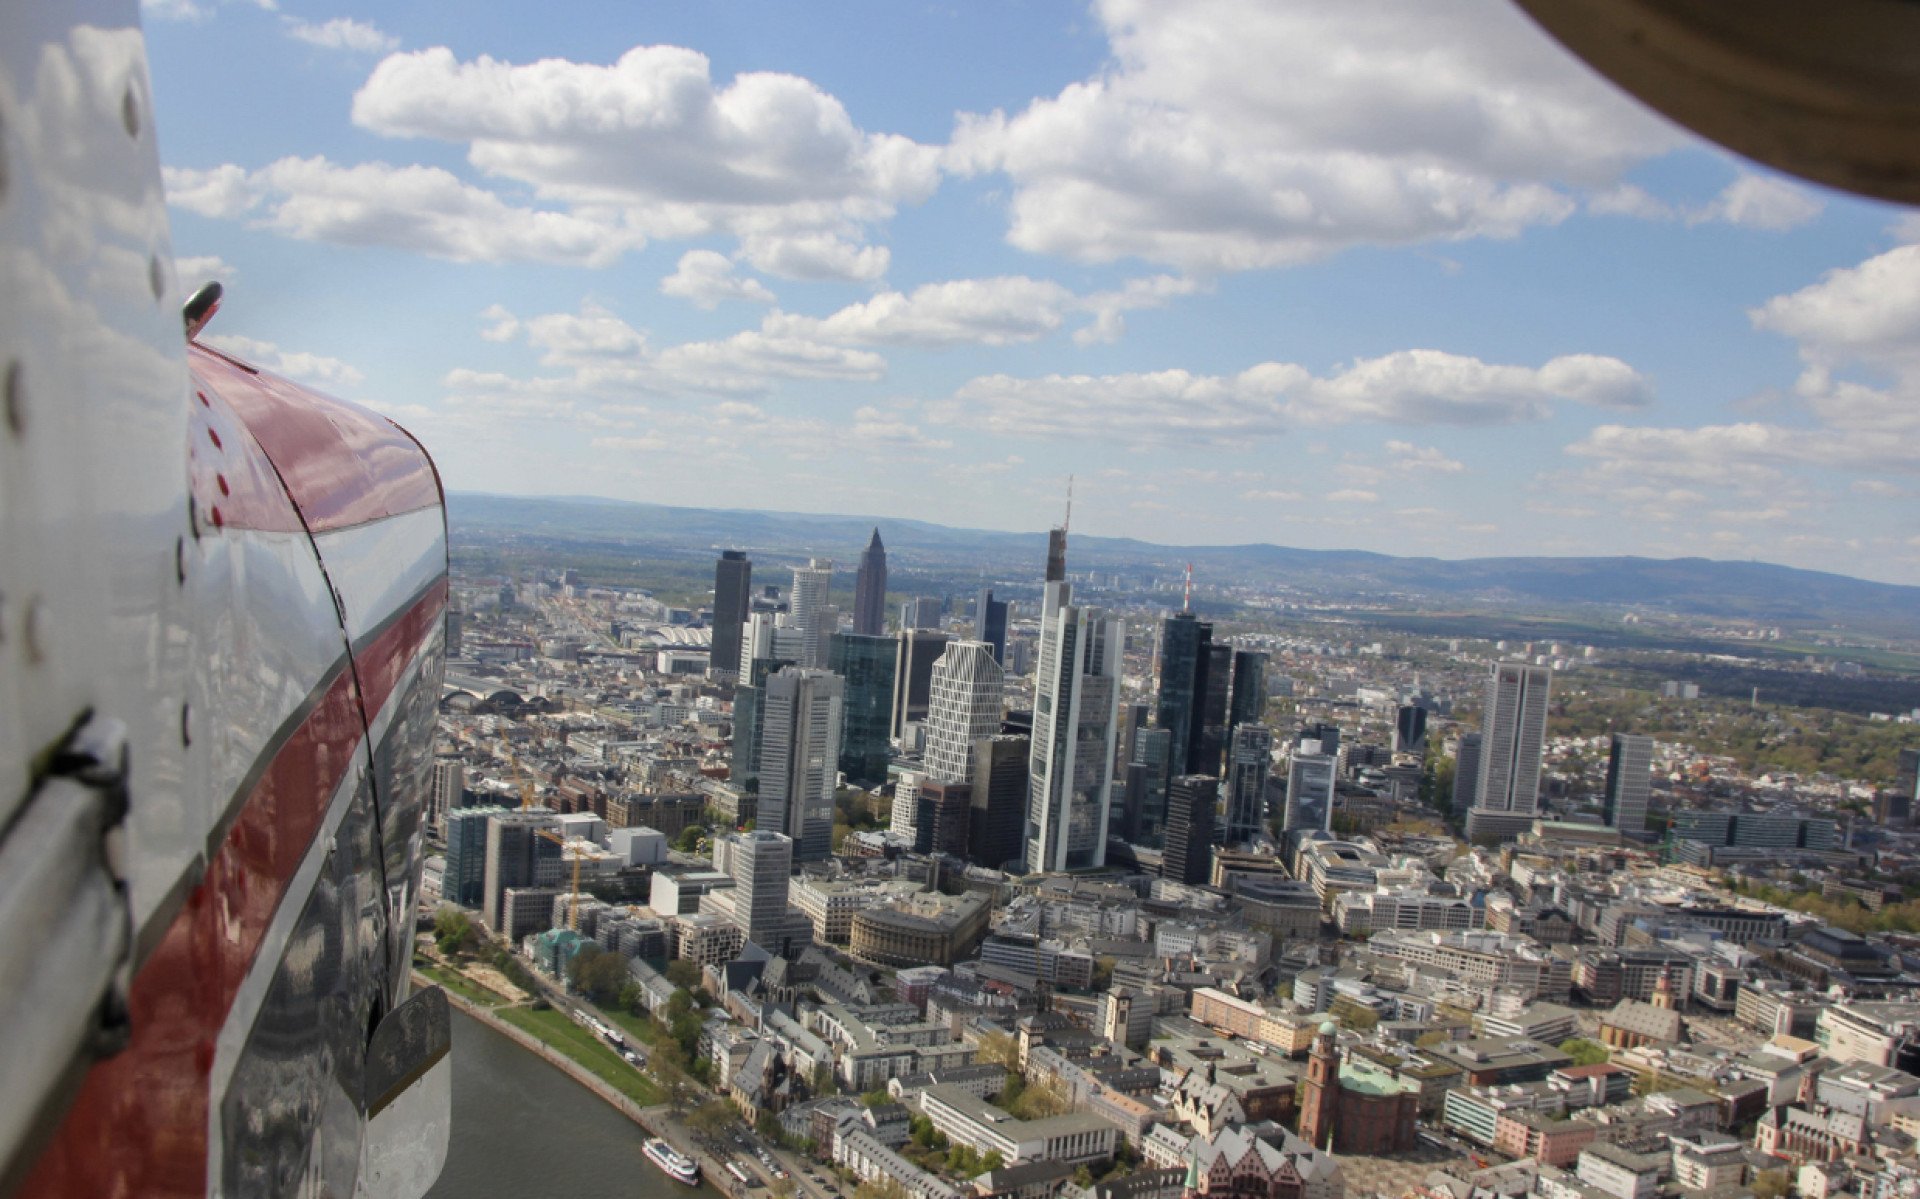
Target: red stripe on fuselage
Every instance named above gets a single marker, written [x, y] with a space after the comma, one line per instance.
[342, 464]
[139, 1125]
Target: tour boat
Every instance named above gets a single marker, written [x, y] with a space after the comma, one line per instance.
[676, 1164]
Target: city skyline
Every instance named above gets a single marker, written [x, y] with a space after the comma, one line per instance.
[881, 285]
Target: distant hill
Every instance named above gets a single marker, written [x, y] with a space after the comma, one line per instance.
[1700, 587]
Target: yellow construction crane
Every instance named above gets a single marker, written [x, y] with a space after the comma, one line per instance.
[526, 780]
[573, 905]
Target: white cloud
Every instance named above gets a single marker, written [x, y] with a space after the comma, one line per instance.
[1236, 134]
[421, 209]
[598, 354]
[317, 369]
[630, 445]
[195, 10]
[1407, 456]
[706, 278]
[768, 158]
[999, 311]
[1627, 199]
[195, 269]
[1353, 496]
[1869, 312]
[1272, 496]
[1879, 489]
[1410, 387]
[343, 33]
[1761, 202]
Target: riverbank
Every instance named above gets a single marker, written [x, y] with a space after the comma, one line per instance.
[658, 1120]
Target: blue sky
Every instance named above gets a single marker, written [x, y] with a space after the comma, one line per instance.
[1395, 276]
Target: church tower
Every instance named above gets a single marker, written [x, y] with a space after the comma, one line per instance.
[1663, 992]
[1321, 1098]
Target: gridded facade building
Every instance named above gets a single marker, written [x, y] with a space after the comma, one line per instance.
[799, 758]
[1076, 708]
[963, 706]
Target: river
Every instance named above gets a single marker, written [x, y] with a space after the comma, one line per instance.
[524, 1130]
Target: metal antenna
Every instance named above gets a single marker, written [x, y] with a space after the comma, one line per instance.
[1186, 604]
[1067, 524]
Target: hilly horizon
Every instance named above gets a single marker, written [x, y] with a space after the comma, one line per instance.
[1698, 587]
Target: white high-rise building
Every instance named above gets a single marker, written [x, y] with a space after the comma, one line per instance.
[1513, 735]
[906, 800]
[800, 719]
[963, 705]
[1076, 710]
[761, 863]
[809, 609]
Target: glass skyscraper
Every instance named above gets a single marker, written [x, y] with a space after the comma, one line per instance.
[866, 665]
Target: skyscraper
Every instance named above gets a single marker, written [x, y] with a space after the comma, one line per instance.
[761, 863]
[465, 879]
[990, 623]
[732, 589]
[812, 585]
[1310, 782]
[1248, 761]
[800, 721]
[1249, 688]
[913, 676]
[1900, 805]
[1513, 733]
[1147, 777]
[1629, 782]
[998, 799]
[1410, 730]
[1185, 647]
[1214, 687]
[866, 664]
[1056, 555]
[517, 856]
[1076, 706]
[1189, 853]
[1466, 773]
[940, 818]
[870, 590]
[963, 706]
[760, 647]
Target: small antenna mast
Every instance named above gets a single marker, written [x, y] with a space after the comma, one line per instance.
[1186, 604]
[1067, 524]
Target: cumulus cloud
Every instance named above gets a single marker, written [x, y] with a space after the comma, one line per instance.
[1353, 496]
[706, 278]
[595, 353]
[422, 209]
[195, 269]
[1410, 387]
[768, 158]
[317, 369]
[343, 33]
[1236, 134]
[1407, 456]
[1869, 312]
[1762, 202]
[196, 10]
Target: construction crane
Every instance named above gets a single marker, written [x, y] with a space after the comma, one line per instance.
[526, 780]
[573, 903]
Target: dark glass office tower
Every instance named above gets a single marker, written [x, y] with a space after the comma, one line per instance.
[867, 665]
[1410, 730]
[997, 822]
[1249, 704]
[1629, 782]
[990, 624]
[919, 649]
[732, 587]
[870, 590]
[1147, 775]
[1189, 854]
[1185, 646]
[1215, 691]
[1248, 764]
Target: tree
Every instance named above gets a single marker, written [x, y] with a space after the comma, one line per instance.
[768, 1126]
[597, 974]
[881, 1188]
[1772, 1184]
[683, 974]
[992, 1161]
[1428, 1040]
[999, 1049]
[453, 931]
[876, 1097]
[1584, 1052]
[712, 1118]
[689, 838]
